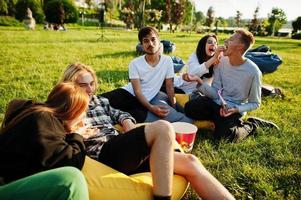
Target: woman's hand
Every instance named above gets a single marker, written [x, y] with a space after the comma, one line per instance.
[192, 78]
[89, 132]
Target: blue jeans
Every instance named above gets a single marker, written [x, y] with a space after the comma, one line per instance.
[173, 115]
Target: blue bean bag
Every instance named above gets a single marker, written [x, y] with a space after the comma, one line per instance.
[266, 61]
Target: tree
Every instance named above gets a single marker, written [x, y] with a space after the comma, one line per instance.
[60, 12]
[178, 13]
[276, 19]
[253, 25]
[199, 17]
[238, 18]
[153, 16]
[7, 7]
[296, 25]
[210, 17]
[127, 15]
[34, 5]
[168, 14]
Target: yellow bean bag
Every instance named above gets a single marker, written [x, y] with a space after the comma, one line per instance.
[182, 99]
[105, 183]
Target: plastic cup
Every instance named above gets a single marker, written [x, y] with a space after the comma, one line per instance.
[185, 135]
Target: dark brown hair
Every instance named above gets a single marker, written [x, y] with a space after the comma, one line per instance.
[146, 31]
[201, 53]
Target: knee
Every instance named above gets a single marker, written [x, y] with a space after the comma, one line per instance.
[70, 182]
[162, 129]
[193, 164]
[70, 176]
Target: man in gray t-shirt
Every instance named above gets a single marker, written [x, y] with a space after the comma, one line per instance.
[236, 89]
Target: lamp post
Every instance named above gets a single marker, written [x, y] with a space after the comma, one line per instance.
[82, 13]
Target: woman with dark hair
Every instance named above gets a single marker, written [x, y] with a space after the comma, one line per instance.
[200, 63]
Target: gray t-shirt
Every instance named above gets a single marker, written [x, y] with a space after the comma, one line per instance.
[241, 85]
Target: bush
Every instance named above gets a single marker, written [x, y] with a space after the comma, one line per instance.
[35, 7]
[296, 36]
[61, 11]
[9, 21]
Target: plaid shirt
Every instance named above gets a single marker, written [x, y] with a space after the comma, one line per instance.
[101, 114]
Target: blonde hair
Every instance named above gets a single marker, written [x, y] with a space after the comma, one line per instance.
[246, 37]
[67, 101]
[74, 70]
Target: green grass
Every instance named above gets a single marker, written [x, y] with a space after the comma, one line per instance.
[265, 166]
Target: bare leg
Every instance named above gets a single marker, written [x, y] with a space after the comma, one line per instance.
[204, 183]
[160, 137]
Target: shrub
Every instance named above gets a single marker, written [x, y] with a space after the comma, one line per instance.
[35, 7]
[61, 11]
[296, 36]
[9, 21]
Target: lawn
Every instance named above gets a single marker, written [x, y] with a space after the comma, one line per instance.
[265, 166]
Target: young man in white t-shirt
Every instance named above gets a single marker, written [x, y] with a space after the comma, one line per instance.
[147, 74]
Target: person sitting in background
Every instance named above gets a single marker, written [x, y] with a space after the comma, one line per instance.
[236, 89]
[146, 148]
[200, 63]
[142, 97]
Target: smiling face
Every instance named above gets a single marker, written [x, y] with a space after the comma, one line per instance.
[151, 44]
[211, 46]
[86, 81]
[234, 45]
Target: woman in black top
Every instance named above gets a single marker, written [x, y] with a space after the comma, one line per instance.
[35, 137]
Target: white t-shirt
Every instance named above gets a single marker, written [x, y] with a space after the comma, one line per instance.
[151, 78]
[194, 68]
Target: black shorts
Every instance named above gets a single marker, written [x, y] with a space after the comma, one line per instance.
[127, 153]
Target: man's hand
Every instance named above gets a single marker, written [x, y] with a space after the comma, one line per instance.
[227, 112]
[160, 110]
[127, 125]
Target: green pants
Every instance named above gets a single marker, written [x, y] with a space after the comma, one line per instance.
[56, 184]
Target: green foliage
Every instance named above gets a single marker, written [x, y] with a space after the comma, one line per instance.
[127, 15]
[7, 7]
[277, 18]
[178, 12]
[238, 18]
[296, 25]
[210, 17]
[34, 5]
[199, 17]
[61, 11]
[153, 16]
[3, 7]
[9, 21]
[265, 166]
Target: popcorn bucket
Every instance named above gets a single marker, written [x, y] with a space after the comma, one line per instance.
[185, 135]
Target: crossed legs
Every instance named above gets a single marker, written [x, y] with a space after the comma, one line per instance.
[204, 183]
[164, 162]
